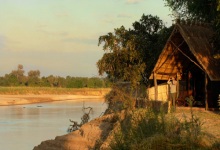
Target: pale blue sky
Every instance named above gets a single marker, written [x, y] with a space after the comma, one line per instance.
[60, 37]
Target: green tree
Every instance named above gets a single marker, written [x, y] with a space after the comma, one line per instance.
[74, 82]
[19, 74]
[44, 82]
[11, 80]
[33, 78]
[204, 10]
[3, 81]
[61, 82]
[95, 82]
[151, 36]
[121, 60]
[52, 80]
[131, 54]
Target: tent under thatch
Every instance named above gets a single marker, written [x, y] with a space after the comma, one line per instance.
[188, 52]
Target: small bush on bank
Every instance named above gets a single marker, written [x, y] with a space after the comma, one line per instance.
[120, 98]
[147, 129]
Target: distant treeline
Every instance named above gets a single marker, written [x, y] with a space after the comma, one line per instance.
[33, 79]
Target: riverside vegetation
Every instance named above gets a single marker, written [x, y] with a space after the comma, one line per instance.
[17, 78]
[152, 128]
[18, 83]
[126, 126]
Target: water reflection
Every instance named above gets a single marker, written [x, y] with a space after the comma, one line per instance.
[24, 126]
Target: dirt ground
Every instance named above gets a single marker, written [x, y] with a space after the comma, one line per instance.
[210, 121]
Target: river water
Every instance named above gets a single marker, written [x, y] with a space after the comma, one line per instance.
[24, 126]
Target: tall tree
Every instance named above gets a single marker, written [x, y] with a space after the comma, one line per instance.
[121, 60]
[19, 74]
[151, 36]
[130, 54]
[204, 10]
[52, 80]
[33, 78]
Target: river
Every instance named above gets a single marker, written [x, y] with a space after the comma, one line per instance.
[24, 126]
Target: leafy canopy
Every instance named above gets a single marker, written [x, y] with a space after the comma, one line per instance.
[131, 54]
[204, 10]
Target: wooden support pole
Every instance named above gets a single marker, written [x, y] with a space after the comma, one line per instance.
[206, 92]
[155, 86]
[178, 86]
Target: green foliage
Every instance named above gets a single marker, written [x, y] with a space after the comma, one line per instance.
[17, 78]
[190, 100]
[120, 98]
[123, 96]
[3, 81]
[73, 82]
[205, 10]
[147, 129]
[44, 82]
[11, 80]
[121, 60]
[131, 54]
[151, 128]
[33, 78]
[95, 82]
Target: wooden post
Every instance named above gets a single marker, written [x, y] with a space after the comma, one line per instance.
[206, 92]
[177, 87]
[155, 86]
[188, 82]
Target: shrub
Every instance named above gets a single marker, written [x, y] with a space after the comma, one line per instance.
[148, 129]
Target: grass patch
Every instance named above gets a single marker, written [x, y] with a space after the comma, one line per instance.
[148, 129]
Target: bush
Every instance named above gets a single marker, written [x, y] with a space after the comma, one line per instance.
[149, 129]
[120, 98]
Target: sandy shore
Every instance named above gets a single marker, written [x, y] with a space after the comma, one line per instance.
[6, 100]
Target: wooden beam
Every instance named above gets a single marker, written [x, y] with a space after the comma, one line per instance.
[187, 56]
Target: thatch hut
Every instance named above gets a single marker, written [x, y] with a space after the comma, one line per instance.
[188, 55]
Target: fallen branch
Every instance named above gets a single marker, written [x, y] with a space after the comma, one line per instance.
[84, 119]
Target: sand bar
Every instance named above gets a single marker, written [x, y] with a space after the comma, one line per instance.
[6, 100]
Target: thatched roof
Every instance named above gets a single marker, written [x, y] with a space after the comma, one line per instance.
[188, 45]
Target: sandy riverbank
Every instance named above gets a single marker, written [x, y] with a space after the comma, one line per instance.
[6, 100]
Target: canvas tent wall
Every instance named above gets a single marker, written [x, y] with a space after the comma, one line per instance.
[162, 93]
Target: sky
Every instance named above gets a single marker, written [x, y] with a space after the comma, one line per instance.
[60, 37]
